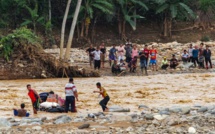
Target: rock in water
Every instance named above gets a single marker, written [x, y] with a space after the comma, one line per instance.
[63, 119]
[160, 117]
[191, 130]
[120, 110]
[149, 117]
[203, 109]
[84, 126]
[37, 128]
[4, 122]
[142, 106]
[185, 110]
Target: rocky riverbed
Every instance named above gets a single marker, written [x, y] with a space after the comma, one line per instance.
[163, 120]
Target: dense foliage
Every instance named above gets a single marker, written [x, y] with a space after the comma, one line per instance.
[46, 14]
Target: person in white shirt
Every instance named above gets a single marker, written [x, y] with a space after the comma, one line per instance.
[97, 58]
[190, 52]
[185, 56]
[70, 93]
[121, 52]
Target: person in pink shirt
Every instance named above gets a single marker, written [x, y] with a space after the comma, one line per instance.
[121, 52]
[134, 51]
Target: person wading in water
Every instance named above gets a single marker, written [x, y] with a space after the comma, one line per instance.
[35, 98]
[105, 96]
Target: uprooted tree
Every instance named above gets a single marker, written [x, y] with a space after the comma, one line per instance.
[25, 58]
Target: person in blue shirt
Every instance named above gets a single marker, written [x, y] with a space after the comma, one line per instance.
[195, 54]
[112, 54]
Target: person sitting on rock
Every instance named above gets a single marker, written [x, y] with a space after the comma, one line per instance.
[164, 64]
[133, 64]
[105, 96]
[122, 65]
[21, 112]
[185, 56]
[115, 67]
[173, 62]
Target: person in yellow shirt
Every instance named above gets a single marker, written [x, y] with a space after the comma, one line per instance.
[164, 63]
[105, 96]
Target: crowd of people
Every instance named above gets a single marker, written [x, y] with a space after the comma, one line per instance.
[129, 53]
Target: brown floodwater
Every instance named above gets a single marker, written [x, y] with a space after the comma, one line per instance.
[128, 92]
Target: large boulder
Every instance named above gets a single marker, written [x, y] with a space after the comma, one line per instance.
[63, 119]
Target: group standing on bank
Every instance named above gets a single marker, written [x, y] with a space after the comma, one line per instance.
[198, 55]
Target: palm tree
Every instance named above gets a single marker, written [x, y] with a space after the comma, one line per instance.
[63, 28]
[126, 12]
[170, 10]
[71, 34]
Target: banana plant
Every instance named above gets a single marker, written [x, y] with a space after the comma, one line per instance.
[126, 12]
[34, 17]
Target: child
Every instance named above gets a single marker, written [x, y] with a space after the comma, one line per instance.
[21, 112]
[105, 96]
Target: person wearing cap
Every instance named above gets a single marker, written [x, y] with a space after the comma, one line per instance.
[207, 55]
[185, 56]
[164, 63]
[173, 62]
[106, 98]
[71, 93]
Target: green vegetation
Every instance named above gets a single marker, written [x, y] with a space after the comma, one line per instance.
[18, 39]
[43, 15]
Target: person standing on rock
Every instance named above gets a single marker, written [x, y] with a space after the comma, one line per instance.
[190, 52]
[89, 50]
[120, 53]
[105, 96]
[97, 58]
[112, 54]
[201, 56]
[35, 98]
[144, 55]
[103, 55]
[71, 93]
[195, 54]
[153, 56]
[128, 52]
[134, 51]
[207, 55]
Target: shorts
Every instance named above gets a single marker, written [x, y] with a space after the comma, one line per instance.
[102, 57]
[143, 63]
[36, 104]
[91, 58]
[112, 57]
[153, 62]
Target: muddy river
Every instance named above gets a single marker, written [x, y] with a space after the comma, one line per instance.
[128, 92]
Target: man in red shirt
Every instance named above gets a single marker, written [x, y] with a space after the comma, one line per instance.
[35, 98]
[153, 61]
